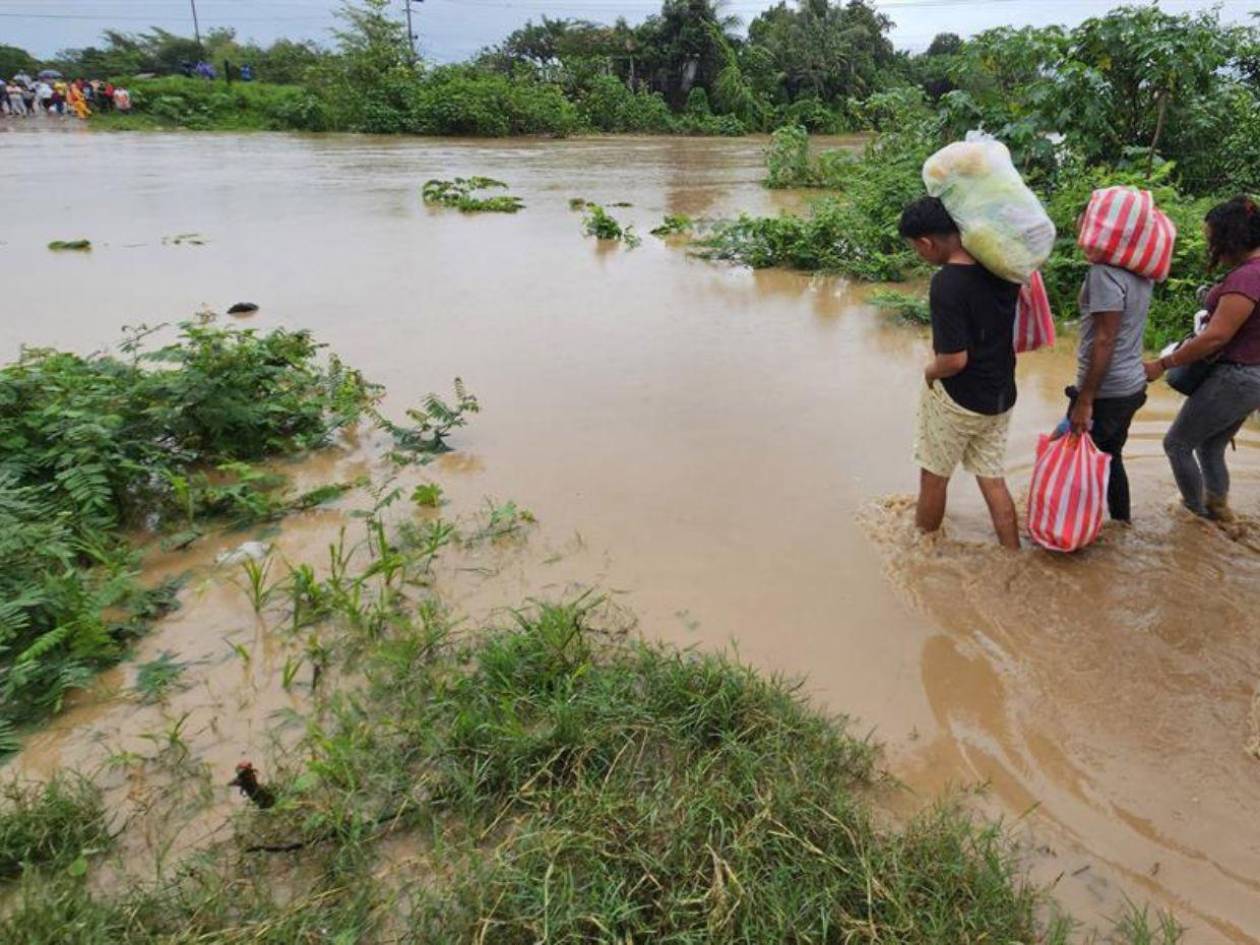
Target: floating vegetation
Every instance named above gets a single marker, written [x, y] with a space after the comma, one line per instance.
[675, 224]
[458, 193]
[907, 305]
[80, 246]
[577, 203]
[621, 203]
[601, 224]
[182, 239]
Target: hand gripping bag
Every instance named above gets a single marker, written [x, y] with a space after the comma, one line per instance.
[1002, 222]
[1069, 492]
[1034, 321]
[1122, 227]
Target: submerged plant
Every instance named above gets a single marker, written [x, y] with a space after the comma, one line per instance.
[913, 308]
[433, 423]
[157, 677]
[674, 224]
[459, 193]
[602, 225]
[427, 495]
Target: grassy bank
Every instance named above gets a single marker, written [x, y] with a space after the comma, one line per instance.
[550, 781]
[449, 101]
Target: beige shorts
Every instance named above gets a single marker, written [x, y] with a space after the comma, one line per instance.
[947, 434]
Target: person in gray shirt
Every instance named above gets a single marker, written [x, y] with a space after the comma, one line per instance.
[1111, 380]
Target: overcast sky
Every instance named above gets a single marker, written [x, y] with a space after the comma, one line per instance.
[454, 29]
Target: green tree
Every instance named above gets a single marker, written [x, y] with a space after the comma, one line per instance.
[825, 50]
[14, 59]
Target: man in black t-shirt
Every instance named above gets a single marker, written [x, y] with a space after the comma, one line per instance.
[966, 404]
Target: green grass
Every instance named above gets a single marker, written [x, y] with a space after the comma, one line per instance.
[53, 825]
[555, 781]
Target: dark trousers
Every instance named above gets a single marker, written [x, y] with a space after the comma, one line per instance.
[1112, 418]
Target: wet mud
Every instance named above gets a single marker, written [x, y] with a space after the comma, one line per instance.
[725, 453]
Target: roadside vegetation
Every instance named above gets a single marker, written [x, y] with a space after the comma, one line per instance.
[550, 778]
[692, 69]
[1121, 99]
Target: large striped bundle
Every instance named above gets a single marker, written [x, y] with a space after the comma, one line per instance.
[1122, 227]
[1069, 492]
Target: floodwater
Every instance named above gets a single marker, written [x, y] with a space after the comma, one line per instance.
[726, 453]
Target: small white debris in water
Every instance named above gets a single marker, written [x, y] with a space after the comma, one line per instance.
[250, 551]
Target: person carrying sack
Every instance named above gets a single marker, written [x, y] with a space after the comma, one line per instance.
[1129, 244]
[1214, 413]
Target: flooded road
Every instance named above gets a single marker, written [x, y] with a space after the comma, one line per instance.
[726, 452]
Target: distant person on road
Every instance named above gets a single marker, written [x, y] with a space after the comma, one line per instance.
[1212, 416]
[13, 95]
[28, 98]
[43, 95]
[1111, 382]
[969, 392]
[247, 73]
[76, 100]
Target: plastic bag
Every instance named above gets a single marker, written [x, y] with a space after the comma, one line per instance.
[1002, 222]
[1069, 492]
[1122, 227]
[1034, 321]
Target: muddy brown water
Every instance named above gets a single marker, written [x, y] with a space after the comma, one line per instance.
[725, 452]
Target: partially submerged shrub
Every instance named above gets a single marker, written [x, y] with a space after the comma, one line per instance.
[601, 224]
[674, 224]
[459, 193]
[92, 446]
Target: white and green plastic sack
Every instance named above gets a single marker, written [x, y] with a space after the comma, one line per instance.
[1002, 222]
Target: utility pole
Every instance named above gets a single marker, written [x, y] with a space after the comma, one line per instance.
[196, 25]
[411, 33]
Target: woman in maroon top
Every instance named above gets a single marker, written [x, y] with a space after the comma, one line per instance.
[1213, 414]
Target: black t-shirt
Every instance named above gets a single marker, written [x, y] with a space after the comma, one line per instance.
[974, 311]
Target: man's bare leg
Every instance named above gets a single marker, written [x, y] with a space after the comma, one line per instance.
[930, 511]
[1002, 510]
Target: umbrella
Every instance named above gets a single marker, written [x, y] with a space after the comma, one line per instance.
[50, 74]
[22, 78]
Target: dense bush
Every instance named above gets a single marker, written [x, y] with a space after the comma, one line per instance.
[194, 103]
[93, 446]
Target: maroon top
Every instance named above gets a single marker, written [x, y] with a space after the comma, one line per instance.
[1244, 347]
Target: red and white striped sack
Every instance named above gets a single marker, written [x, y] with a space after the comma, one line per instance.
[1034, 322]
[1069, 492]
[1122, 227]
